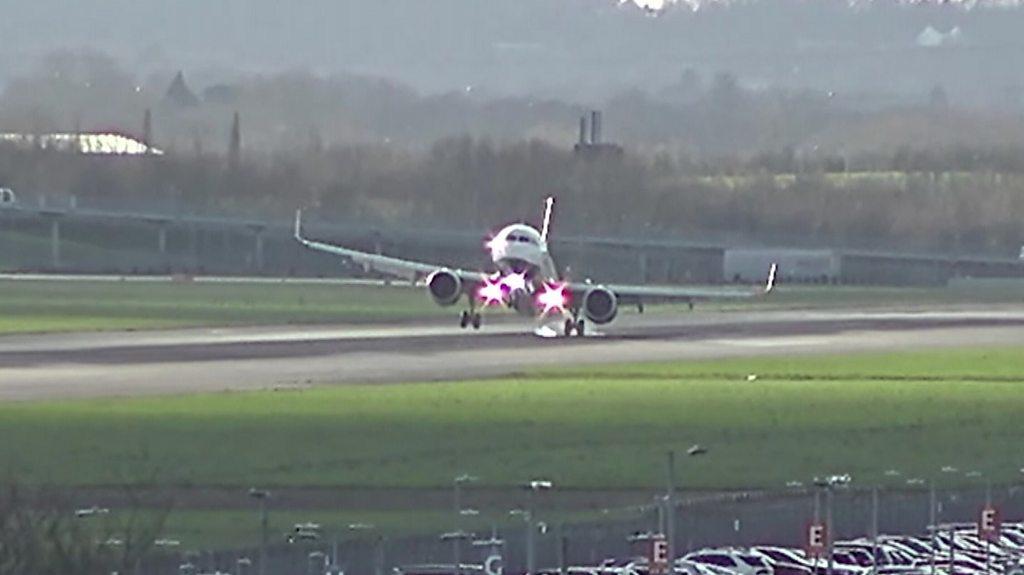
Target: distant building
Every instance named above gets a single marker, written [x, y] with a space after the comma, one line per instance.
[179, 95]
[591, 146]
[107, 144]
[795, 265]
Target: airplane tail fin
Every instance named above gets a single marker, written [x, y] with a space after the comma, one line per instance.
[549, 205]
[769, 285]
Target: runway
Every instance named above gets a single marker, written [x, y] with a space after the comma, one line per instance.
[210, 360]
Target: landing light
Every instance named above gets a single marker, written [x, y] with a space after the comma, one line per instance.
[491, 292]
[553, 298]
[514, 282]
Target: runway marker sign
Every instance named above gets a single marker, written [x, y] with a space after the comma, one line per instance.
[816, 540]
[659, 564]
[988, 524]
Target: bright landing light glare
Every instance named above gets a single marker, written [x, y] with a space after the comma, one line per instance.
[553, 298]
[514, 282]
[491, 292]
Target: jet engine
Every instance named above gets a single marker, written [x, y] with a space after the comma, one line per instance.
[600, 305]
[445, 287]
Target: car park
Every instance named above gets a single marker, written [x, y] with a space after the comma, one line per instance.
[737, 561]
[686, 567]
[885, 555]
[782, 563]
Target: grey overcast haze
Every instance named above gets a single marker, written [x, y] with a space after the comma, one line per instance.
[575, 49]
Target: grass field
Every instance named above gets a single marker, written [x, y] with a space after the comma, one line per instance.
[583, 428]
[609, 427]
[50, 306]
[45, 306]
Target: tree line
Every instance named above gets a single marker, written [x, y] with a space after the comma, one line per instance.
[957, 200]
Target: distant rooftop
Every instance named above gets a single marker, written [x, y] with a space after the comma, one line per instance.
[99, 144]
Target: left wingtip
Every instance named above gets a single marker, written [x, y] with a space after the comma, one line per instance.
[770, 284]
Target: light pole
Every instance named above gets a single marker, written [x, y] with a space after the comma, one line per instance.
[457, 484]
[262, 495]
[494, 545]
[242, 565]
[829, 484]
[670, 499]
[534, 486]
[457, 537]
[933, 517]
[988, 503]
[353, 528]
[529, 515]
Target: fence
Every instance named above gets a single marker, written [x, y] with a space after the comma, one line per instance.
[741, 519]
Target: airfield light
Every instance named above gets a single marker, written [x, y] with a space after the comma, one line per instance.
[696, 449]
[553, 298]
[491, 292]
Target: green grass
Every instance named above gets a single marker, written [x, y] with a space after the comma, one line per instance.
[47, 306]
[605, 427]
[53, 306]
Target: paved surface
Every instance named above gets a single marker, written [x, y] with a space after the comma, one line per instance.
[180, 361]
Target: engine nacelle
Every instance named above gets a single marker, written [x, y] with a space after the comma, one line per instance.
[445, 287]
[600, 305]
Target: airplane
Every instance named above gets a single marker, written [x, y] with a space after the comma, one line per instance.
[526, 280]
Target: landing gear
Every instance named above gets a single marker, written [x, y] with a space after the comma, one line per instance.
[573, 325]
[470, 317]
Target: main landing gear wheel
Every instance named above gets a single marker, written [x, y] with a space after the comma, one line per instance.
[469, 318]
[569, 326]
[572, 326]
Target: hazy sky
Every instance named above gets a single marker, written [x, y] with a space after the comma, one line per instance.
[580, 49]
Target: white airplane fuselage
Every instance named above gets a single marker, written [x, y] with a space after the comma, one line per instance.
[518, 248]
[520, 254]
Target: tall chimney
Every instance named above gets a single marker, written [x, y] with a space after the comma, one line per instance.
[595, 127]
[235, 142]
[147, 129]
[583, 130]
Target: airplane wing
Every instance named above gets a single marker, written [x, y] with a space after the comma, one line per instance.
[650, 294]
[405, 269]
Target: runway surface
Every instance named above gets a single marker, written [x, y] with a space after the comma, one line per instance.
[208, 360]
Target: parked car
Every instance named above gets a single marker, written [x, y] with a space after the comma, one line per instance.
[687, 567]
[737, 561]
[783, 564]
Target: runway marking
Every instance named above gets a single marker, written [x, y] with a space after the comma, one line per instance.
[291, 357]
[774, 342]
